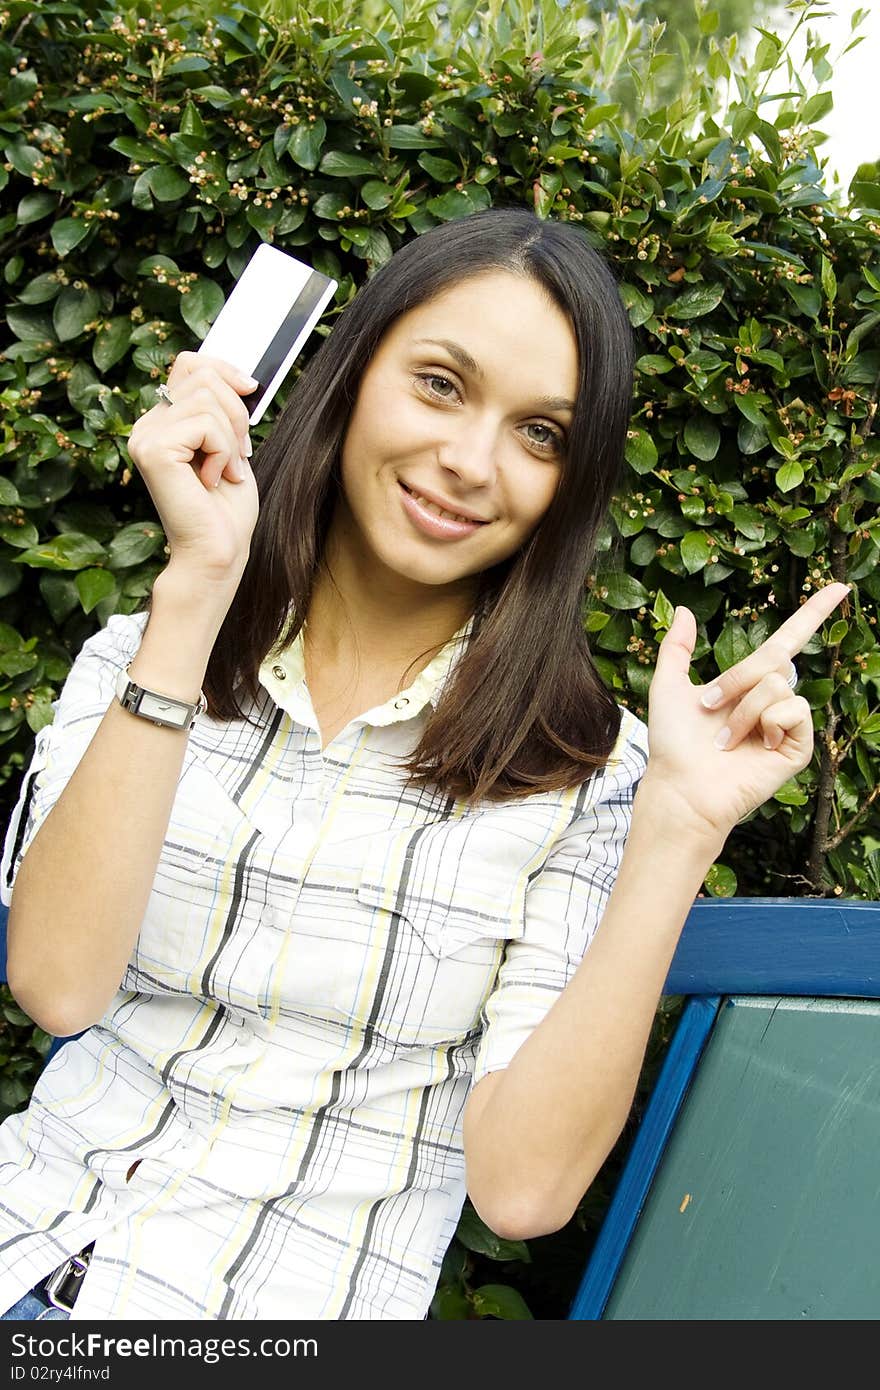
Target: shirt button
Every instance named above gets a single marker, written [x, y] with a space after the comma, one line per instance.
[401, 703]
[280, 672]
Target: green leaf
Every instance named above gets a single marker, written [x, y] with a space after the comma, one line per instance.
[643, 549]
[410, 137]
[702, 437]
[93, 586]
[695, 551]
[638, 305]
[376, 195]
[663, 610]
[767, 53]
[68, 233]
[748, 521]
[475, 1235]
[696, 301]
[451, 1304]
[19, 537]
[30, 325]
[866, 195]
[443, 170]
[789, 475]
[652, 364]
[306, 142]
[17, 663]
[720, 881]
[191, 122]
[340, 164]
[731, 646]
[73, 310]
[816, 107]
[829, 281]
[595, 620]
[135, 543]
[790, 794]
[806, 297]
[112, 343]
[201, 306]
[450, 205]
[818, 692]
[623, 591]
[39, 714]
[328, 205]
[640, 451]
[165, 183]
[41, 289]
[72, 551]
[500, 1301]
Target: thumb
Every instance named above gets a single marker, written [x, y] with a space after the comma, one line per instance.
[677, 648]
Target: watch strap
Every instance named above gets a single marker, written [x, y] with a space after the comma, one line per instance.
[165, 710]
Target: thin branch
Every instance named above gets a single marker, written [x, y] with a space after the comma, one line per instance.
[846, 829]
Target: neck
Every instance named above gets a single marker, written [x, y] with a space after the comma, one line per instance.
[361, 611]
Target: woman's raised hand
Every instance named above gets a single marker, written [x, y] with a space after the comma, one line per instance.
[712, 782]
[194, 458]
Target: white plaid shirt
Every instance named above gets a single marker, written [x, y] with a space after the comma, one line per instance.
[328, 960]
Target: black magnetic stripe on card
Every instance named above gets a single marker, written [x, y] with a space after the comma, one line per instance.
[297, 317]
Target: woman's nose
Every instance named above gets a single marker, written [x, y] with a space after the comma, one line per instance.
[472, 454]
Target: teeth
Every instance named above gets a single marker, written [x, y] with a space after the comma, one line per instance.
[438, 511]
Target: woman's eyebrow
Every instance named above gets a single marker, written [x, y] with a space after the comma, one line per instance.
[467, 363]
[457, 352]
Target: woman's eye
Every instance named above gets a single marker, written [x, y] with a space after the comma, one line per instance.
[544, 437]
[437, 385]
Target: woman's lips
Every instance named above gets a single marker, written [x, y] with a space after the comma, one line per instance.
[440, 527]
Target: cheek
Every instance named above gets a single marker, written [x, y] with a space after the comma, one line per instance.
[531, 492]
[384, 425]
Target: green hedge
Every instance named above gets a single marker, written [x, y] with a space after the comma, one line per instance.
[149, 150]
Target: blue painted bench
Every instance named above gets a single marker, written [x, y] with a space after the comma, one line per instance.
[749, 1190]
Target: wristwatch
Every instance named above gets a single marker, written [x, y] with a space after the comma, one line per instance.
[159, 709]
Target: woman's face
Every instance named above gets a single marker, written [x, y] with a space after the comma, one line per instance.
[454, 448]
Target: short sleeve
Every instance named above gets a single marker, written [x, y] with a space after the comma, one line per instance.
[564, 903]
[84, 699]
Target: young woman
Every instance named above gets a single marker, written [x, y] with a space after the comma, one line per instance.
[324, 931]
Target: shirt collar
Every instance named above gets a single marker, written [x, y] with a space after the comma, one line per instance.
[282, 674]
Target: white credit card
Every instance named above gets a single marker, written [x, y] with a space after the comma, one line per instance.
[262, 327]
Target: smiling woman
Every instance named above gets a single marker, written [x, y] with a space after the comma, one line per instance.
[340, 966]
[452, 452]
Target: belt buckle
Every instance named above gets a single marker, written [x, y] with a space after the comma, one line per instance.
[63, 1284]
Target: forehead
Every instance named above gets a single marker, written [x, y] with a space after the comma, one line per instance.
[505, 322]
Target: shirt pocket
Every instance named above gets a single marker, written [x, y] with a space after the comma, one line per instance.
[204, 929]
[440, 903]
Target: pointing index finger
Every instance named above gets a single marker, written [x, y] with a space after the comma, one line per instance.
[790, 637]
[796, 631]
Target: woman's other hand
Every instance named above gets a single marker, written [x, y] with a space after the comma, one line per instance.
[708, 787]
[193, 455]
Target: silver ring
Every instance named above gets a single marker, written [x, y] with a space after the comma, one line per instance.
[793, 678]
[163, 394]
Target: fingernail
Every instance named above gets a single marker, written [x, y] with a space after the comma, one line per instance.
[250, 382]
[767, 743]
[239, 467]
[722, 738]
[248, 445]
[712, 696]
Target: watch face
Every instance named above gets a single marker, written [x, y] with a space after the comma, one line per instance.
[169, 711]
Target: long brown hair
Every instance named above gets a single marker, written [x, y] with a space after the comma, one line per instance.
[525, 709]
